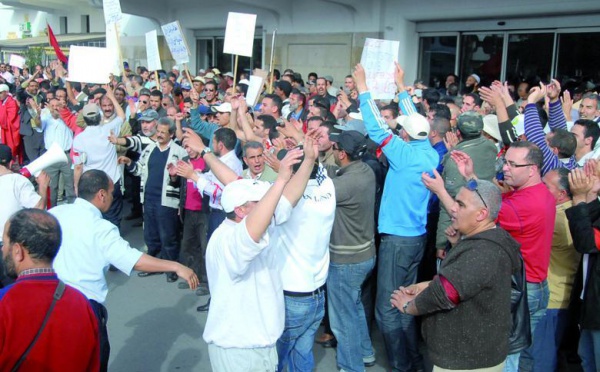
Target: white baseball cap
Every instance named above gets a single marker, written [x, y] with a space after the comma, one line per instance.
[242, 191]
[4, 88]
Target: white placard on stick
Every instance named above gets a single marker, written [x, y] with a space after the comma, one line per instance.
[176, 41]
[112, 45]
[16, 61]
[112, 11]
[378, 59]
[88, 64]
[152, 53]
[239, 34]
[257, 80]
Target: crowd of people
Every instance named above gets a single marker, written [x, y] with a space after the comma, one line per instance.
[466, 221]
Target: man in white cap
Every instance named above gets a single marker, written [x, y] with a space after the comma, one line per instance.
[247, 312]
[472, 83]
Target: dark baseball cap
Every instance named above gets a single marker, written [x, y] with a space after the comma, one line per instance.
[149, 115]
[470, 123]
[5, 154]
[351, 141]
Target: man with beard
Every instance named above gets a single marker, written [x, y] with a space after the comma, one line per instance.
[38, 301]
[322, 92]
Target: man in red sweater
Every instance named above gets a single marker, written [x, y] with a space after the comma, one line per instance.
[69, 340]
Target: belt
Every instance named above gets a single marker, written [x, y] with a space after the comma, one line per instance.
[319, 290]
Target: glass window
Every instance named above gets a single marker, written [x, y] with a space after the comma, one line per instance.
[578, 56]
[481, 54]
[529, 57]
[438, 59]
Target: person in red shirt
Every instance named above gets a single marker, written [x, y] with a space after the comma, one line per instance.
[69, 339]
[9, 123]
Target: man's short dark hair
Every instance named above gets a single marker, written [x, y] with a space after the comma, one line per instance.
[534, 156]
[76, 86]
[565, 142]
[243, 88]
[276, 101]
[393, 108]
[91, 182]
[591, 129]
[330, 127]
[45, 85]
[440, 125]
[432, 96]
[37, 231]
[227, 137]
[478, 101]
[156, 93]
[312, 74]
[315, 118]
[563, 180]
[169, 82]
[440, 111]
[269, 122]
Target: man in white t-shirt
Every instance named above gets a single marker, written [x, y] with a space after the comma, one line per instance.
[17, 191]
[247, 313]
[304, 263]
[93, 150]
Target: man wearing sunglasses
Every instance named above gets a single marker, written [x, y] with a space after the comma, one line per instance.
[473, 286]
[528, 214]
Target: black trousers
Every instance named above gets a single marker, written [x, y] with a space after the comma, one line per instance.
[102, 316]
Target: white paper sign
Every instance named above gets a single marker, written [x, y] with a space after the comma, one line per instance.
[176, 41]
[88, 64]
[16, 61]
[254, 89]
[239, 34]
[112, 11]
[378, 59]
[152, 53]
[112, 45]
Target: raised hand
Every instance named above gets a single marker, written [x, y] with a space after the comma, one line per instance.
[435, 184]
[450, 140]
[537, 93]
[464, 163]
[553, 90]
[192, 140]
[360, 78]
[399, 76]
[286, 164]
[185, 169]
[580, 183]
[112, 138]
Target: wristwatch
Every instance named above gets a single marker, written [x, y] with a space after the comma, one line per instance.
[405, 307]
[206, 150]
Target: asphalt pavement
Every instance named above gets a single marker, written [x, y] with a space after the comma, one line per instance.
[154, 326]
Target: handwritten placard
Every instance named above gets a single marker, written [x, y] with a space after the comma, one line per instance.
[88, 64]
[176, 41]
[239, 34]
[112, 11]
[16, 61]
[378, 59]
[152, 53]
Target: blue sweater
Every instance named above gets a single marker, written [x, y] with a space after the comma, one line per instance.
[403, 209]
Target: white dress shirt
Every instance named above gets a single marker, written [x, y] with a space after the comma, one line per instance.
[89, 245]
[55, 130]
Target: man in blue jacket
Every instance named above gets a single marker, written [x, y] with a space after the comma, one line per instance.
[402, 219]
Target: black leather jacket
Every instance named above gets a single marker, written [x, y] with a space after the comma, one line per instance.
[583, 219]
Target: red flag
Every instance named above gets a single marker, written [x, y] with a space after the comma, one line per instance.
[59, 53]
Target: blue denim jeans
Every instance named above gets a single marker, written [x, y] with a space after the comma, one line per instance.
[303, 316]
[548, 335]
[161, 231]
[347, 314]
[398, 261]
[589, 350]
[537, 299]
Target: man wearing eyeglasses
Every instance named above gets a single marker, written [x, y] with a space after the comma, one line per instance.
[528, 213]
[473, 287]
